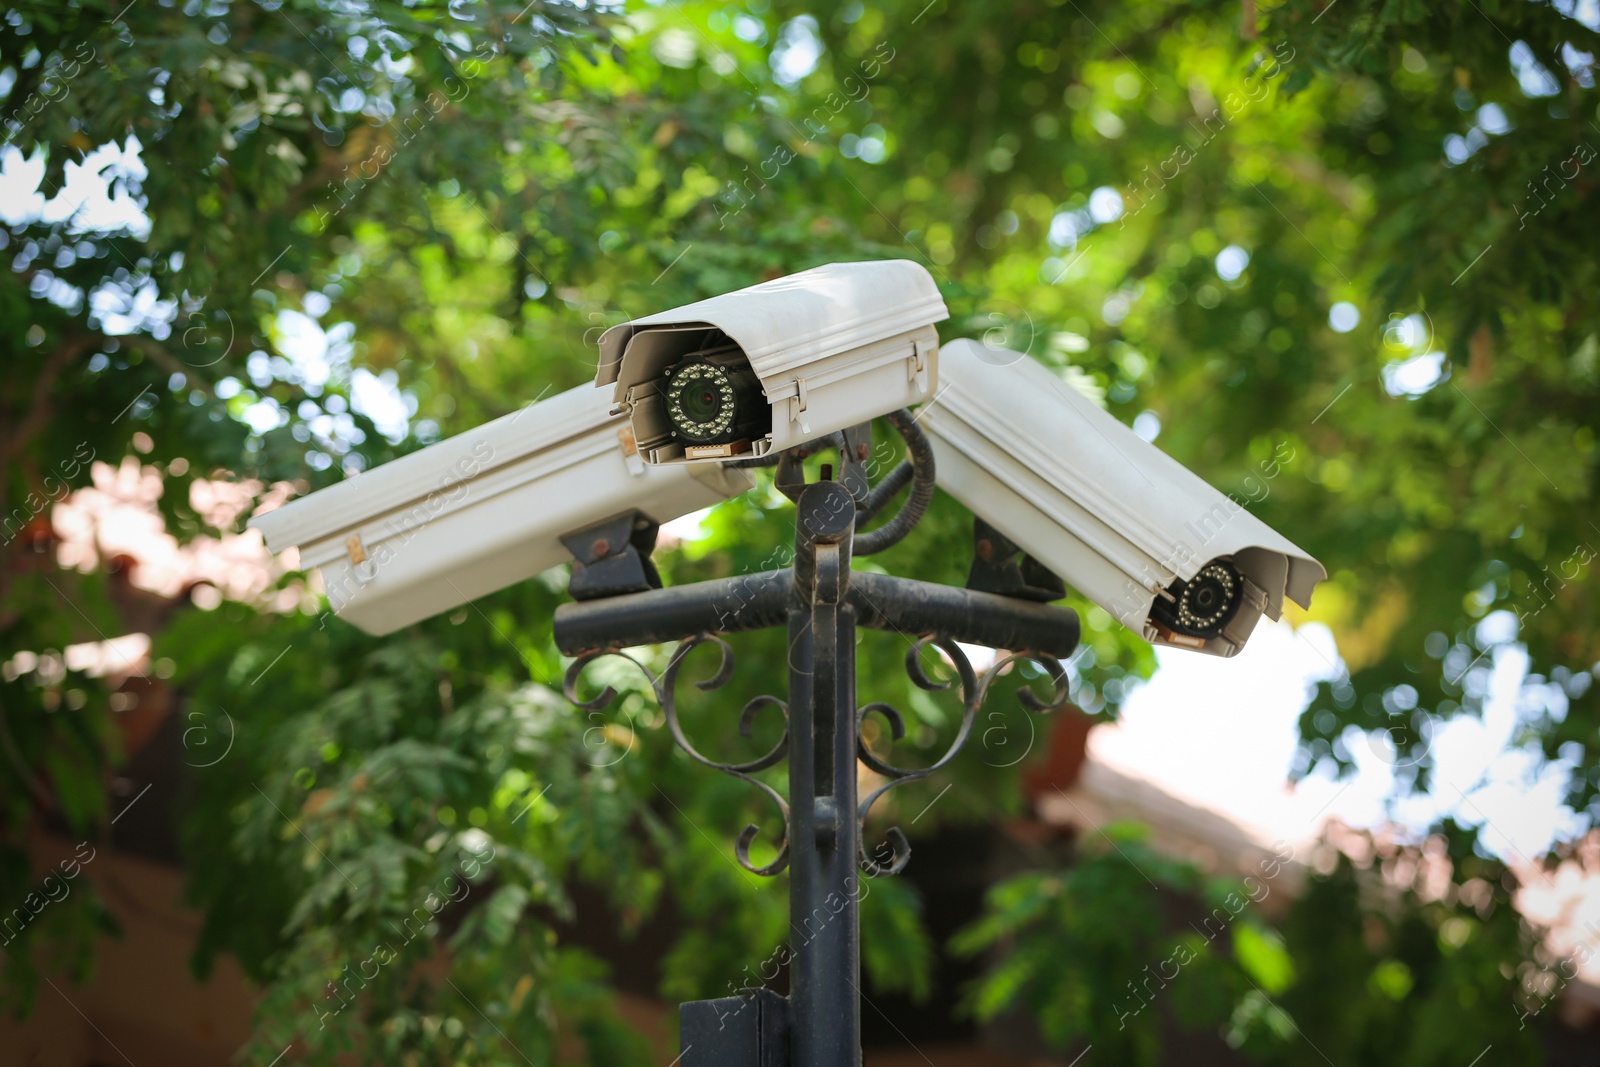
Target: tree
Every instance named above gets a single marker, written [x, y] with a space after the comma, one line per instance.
[1190, 206]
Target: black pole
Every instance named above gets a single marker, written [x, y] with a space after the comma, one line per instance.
[822, 601]
[824, 925]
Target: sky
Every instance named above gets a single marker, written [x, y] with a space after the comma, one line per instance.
[1221, 733]
[101, 194]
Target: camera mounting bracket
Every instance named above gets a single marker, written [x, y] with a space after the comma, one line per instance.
[1000, 566]
[854, 445]
[612, 556]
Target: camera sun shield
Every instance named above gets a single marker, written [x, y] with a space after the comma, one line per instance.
[753, 372]
[462, 518]
[1128, 526]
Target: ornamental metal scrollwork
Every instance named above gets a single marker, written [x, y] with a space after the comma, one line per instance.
[974, 689]
[665, 689]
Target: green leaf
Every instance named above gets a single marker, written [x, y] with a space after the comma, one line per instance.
[1264, 957]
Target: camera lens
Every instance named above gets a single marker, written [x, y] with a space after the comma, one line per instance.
[1201, 607]
[701, 402]
[704, 405]
[1209, 600]
[712, 398]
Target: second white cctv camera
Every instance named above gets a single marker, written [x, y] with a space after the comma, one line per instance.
[1131, 528]
[482, 510]
[753, 372]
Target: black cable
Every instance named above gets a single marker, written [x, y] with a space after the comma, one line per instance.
[919, 453]
[917, 469]
[883, 492]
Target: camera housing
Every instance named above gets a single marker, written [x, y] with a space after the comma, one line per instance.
[1132, 529]
[482, 510]
[777, 364]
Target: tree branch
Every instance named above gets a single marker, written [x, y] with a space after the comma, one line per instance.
[40, 409]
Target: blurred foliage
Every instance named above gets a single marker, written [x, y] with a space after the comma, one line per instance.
[1413, 956]
[1088, 949]
[1393, 973]
[1340, 254]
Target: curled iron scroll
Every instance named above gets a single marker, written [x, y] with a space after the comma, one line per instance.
[665, 689]
[974, 688]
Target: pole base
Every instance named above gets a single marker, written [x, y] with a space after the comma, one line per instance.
[749, 1030]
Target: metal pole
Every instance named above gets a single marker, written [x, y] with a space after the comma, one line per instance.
[824, 924]
[819, 1023]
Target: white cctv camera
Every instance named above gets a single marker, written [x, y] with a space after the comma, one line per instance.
[753, 372]
[1131, 528]
[482, 510]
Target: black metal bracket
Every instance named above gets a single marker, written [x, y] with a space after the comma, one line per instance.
[854, 445]
[757, 601]
[853, 461]
[612, 557]
[1000, 566]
